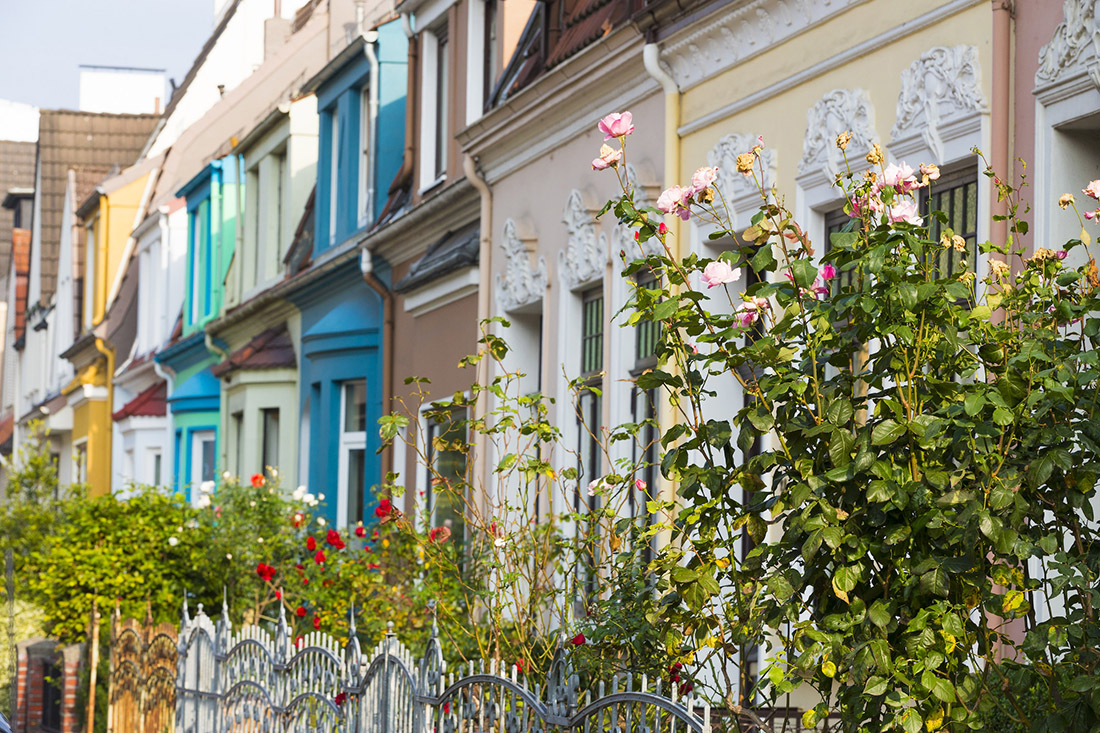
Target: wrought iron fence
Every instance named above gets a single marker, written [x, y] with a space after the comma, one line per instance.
[251, 681]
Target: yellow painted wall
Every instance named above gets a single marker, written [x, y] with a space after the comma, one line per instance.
[92, 420]
[116, 220]
[781, 118]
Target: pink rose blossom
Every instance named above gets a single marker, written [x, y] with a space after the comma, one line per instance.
[693, 347]
[1093, 189]
[819, 288]
[898, 177]
[609, 158]
[905, 211]
[719, 273]
[930, 170]
[639, 484]
[1061, 254]
[828, 271]
[703, 178]
[675, 201]
[617, 125]
[1090, 214]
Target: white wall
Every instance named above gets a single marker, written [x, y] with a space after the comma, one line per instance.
[122, 91]
[18, 121]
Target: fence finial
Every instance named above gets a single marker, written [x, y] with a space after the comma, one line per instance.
[186, 616]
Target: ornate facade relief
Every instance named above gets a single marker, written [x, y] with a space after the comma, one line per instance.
[585, 256]
[1074, 49]
[742, 33]
[837, 111]
[941, 98]
[521, 284]
[741, 192]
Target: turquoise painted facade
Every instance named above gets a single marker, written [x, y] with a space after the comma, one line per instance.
[214, 202]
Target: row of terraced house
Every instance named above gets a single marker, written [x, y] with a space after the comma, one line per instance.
[341, 190]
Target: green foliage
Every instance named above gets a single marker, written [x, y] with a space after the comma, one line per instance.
[910, 441]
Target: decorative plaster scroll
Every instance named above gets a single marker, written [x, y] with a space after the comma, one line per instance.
[741, 192]
[585, 256]
[520, 284]
[836, 112]
[742, 33]
[940, 88]
[1074, 49]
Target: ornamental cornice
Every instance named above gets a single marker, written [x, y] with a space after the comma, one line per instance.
[1074, 48]
[741, 33]
[520, 284]
[837, 111]
[939, 91]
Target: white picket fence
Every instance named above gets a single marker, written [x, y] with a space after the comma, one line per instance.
[252, 681]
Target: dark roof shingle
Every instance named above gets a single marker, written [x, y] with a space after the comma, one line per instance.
[272, 349]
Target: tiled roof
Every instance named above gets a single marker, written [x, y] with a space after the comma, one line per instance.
[453, 251]
[16, 171]
[271, 349]
[90, 144]
[21, 251]
[151, 402]
[542, 46]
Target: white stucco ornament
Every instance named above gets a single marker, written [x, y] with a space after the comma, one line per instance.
[585, 256]
[520, 284]
[837, 111]
[1074, 49]
[939, 91]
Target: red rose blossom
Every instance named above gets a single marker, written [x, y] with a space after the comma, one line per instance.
[439, 534]
[333, 538]
[311, 544]
[578, 639]
[317, 623]
[384, 509]
[360, 531]
[319, 557]
[266, 572]
[300, 612]
[258, 481]
[341, 698]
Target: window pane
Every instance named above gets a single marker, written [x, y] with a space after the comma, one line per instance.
[208, 460]
[646, 333]
[355, 406]
[446, 490]
[271, 437]
[956, 195]
[592, 332]
[357, 458]
[441, 89]
[156, 469]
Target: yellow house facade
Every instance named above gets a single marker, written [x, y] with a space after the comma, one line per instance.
[109, 215]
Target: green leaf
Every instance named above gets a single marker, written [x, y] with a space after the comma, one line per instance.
[845, 578]
[875, 686]
[665, 309]
[763, 260]
[804, 272]
[886, 432]
[879, 491]
[911, 722]
[879, 613]
[935, 582]
[682, 574]
[973, 403]
[980, 313]
[761, 418]
[1002, 417]
[943, 689]
[839, 412]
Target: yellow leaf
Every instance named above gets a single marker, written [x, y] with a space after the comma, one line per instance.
[828, 669]
[1085, 238]
[722, 563]
[934, 721]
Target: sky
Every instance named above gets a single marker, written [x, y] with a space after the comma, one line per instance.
[42, 42]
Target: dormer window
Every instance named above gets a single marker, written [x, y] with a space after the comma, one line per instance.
[482, 57]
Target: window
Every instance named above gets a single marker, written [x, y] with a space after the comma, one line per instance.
[442, 84]
[353, 449]
[51, 696]
[236, 439]
[835, 221]
[365, 192]
[80, 460]
[956, 195]
[270, 419]
[489, 70]
[157, 462]
[253, 197]
[88, 295]
[200, 263]
[446, 490]
[590, 410]
[203, 443]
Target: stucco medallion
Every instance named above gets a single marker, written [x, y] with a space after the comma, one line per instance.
[1075, 46]
[837, 111]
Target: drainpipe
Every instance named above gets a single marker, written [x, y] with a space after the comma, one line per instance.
[1000, 157]
[108, 351]
[651, 58]
[366, 266]
[371, 39]
[405, 173]
[481, 407]
[223, 415]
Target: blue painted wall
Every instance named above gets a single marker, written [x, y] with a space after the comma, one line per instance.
[341, 341]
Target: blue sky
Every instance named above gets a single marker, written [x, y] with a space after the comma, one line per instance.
[43, 41]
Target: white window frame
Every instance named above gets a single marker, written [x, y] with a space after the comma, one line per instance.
[198, 437]
[333, 174]
[89, 270]
[349, 441]
[475, 62]
[429, 111]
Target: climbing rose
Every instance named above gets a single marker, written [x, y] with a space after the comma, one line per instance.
[1061, 254]
[317, 623]
[662, 229]
[639, 484]
[703, 178]
[905, 211]
[617, 125]
[578, 640]
[609, 158]
[360, 531]
[311, 544]
[319, 557]
[334, 539]
[898, 177]
[384, 509]
[719, 273]
[341, 698]
[828, 271]
[1093, 189]
[266, 572]
[675, 201]
[439, 534]
[258, 480]
[373, 566]
[930, 171]
[300, 612]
